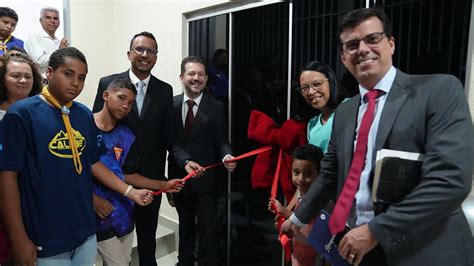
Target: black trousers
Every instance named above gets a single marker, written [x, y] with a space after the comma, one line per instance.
[191, 205]
[146, 222]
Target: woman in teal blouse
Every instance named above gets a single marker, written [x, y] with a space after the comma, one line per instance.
[319, 87]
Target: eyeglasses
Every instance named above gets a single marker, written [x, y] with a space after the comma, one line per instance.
[315, 85]
[372, 40]
[140, 50]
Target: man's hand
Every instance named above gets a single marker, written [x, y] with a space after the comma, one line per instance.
[229, 164]
[64, 43]
[174, 185]
[192, 166]
[356, 244]
[289, 228]
[24, 252]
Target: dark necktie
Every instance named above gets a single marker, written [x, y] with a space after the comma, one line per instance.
[346, 198]
[189, 120]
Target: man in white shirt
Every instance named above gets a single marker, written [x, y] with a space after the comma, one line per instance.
[41, 45]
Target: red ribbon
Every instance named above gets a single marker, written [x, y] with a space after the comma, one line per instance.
[245, 155]
[284, 239]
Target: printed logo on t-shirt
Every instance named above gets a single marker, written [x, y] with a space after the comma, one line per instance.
[59, 145]
[118, 153]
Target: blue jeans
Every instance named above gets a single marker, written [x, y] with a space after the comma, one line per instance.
[84, 255]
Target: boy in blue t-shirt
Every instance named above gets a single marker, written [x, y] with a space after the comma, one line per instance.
[49, 154]
[8, 21]
[115, 213]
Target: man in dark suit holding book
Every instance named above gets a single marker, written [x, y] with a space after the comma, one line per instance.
[422, 114]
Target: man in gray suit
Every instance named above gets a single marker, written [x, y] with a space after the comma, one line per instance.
[423, 114]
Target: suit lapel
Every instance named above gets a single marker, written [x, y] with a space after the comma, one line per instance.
[178, 105]
[349, 130]
[393, 104]
[202, 110]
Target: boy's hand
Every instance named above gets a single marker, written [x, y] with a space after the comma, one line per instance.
[24, 252]
[278, 206]
[102, 207]
[193, 166]
[229, 164]
[142, 197]
[174, 185]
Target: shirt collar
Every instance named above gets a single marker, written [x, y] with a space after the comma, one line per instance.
[197, 100]
[385, 84]
[44, 34]
[134, 79]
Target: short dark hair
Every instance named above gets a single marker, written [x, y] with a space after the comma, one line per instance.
[309, 152]
[357, 16]
[58, 57]
[146, 34]
[335, 97]
[17, 49]
[21, 58]
[8, 12]
[192, 59]
[121, 83]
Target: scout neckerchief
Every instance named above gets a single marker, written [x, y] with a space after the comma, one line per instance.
[70, 133]
[5, 43]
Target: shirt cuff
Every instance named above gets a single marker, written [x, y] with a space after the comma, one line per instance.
[223, 159]
[295, 220]
[185, 163]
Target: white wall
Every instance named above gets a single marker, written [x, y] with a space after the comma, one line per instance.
[102, 31]
[29, 13]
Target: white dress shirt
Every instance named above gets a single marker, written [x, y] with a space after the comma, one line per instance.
[184, 109]
[134, 80]
[39, 47]
[362, 211]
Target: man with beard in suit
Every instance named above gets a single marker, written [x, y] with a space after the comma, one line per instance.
[201, 125]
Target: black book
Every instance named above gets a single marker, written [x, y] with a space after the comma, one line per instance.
[396, 174]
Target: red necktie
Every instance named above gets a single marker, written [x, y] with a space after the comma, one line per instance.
[346, 198]
[188, 122]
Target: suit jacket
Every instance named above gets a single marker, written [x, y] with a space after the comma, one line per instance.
[207, 142]
[423, 114]
[154, 129]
